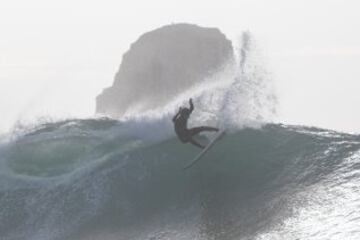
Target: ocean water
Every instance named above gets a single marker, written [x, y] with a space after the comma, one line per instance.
[122, 179]
[93, 179]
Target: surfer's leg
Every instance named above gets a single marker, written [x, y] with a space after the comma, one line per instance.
[197, 130]
[192, 141]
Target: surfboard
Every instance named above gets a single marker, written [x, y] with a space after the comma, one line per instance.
[206, 149]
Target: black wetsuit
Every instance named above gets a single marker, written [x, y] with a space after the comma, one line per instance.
[180, 123]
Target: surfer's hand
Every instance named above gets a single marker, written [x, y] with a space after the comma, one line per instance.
[191, 105]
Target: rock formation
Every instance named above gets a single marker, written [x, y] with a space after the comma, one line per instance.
[161, 64]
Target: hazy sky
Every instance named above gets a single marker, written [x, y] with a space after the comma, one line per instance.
[56, 56]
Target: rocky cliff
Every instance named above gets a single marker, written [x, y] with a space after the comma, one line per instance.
[161, 64]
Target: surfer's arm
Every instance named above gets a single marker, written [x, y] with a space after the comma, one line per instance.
[191, 105]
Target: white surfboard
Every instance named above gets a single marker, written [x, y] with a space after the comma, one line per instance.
[206, 149]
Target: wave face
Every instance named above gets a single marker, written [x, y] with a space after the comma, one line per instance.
[103, 179]
[93, 179]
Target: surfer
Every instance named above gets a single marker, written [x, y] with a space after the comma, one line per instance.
[180, 123]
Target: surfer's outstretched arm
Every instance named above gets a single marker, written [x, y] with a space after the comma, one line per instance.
[191, 105]
[192, 141]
